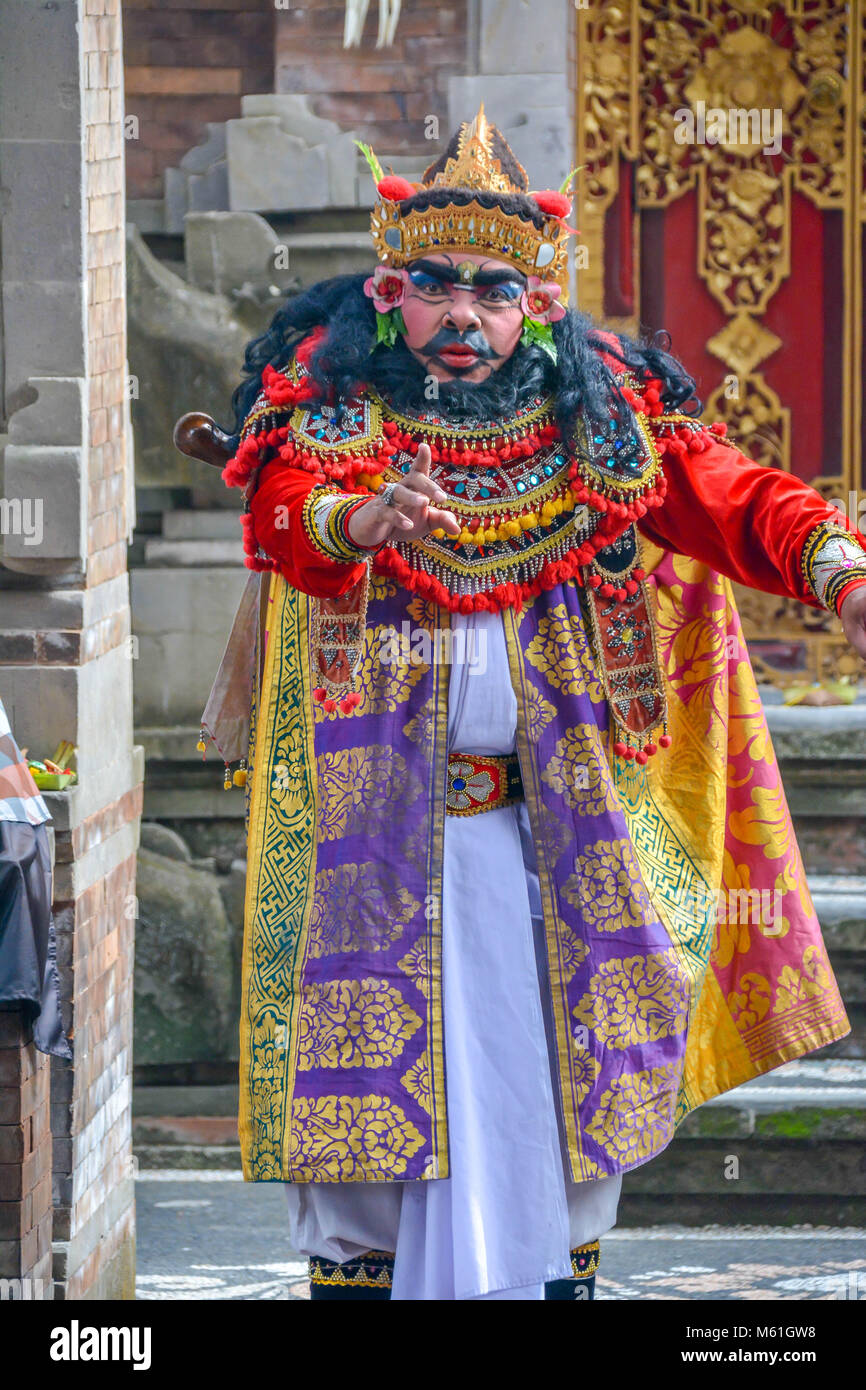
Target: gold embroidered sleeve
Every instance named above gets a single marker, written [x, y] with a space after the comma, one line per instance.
[324, 517]
[831, 559]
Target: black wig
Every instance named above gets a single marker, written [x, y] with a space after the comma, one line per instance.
[348, 358]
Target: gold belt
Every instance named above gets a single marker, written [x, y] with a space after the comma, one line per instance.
[477, 783]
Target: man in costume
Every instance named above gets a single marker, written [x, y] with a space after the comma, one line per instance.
[508, 767]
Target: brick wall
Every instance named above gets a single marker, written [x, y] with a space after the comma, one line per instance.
[94, 1212]
[384, 93]
[25, 1158]
[188, 62]
[106, 298]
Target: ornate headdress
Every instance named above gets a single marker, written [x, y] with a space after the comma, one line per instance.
[478, 160]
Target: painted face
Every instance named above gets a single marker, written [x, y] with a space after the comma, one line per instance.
[462, 314]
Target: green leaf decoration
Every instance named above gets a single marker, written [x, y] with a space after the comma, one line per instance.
[388, 326]
[563, 187]
[375, 167]
[539, 335]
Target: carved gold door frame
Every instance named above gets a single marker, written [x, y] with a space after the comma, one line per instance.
[639, 68]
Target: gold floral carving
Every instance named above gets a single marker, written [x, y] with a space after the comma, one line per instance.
[416, 964]
[417, 1082]
[338, 1138]
[635, 1115]
[607, 887]
[561, 653]
[353, 910]
[636, 1000]
[353, 1023]
[361, 789]
[579, 771]
[639, 68]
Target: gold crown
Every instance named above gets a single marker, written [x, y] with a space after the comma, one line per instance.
[478, 159]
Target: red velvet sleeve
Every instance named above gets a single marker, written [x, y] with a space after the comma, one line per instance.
[746, 520]
[276, 508]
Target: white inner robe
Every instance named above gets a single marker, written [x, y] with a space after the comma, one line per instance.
[505, 1220]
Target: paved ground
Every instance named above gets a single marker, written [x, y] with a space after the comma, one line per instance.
[208, 1235]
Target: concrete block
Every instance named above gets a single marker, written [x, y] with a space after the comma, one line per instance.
[42, 226]
[517, 38]
[294, 113]
[49, 109]
[225, 249]
[57, 416]
[209, 191]
[192, 553]
[199, 525]
[182, 619]
[270, 169]
[44, 331]
[213, 149]
[49, 486]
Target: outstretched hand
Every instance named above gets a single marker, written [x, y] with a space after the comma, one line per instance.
[413, 513]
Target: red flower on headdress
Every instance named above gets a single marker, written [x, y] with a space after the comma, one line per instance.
[386, 288]
[394, 189]
[553, 203]
[538, 300]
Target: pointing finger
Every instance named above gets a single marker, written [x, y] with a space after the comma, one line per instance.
[421, 462]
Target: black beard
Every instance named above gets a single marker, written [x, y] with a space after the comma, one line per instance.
[406, 384]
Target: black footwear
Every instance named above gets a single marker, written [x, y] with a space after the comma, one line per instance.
[366, 1278]
[584, 1263]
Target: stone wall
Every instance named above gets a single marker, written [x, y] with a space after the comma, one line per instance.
[65, 667]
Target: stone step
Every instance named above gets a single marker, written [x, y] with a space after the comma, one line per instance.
[188, 1157]
[314, 256]
[204, 524]
[194, 554]
[785, 1148]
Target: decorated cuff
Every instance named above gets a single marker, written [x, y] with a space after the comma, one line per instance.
[832, 561]
[325, 516]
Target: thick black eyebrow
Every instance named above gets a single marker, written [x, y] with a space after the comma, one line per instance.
[450, 274]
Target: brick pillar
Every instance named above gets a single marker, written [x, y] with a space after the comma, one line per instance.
[25, 1162]
[65, 650]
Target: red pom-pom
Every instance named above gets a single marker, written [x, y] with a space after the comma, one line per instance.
[319, 694]
[619, 595]
[631, 586]
[330, 706]
[394, 189]
[606, 591]
[553, 203]
[638, 574]
[651, 749]
[640, 757]
[619, 749]
[594, 581]
[630, 752]
[665, 741]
